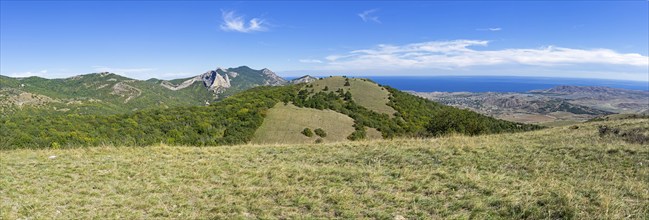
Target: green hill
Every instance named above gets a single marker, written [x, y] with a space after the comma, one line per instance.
[107, 93]
[100, 93]
[236, 119]
[555, 173]
[284, 124]
[364, 92]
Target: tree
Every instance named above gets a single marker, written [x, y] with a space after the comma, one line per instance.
[307, 132]
[347, 96]
[347, 83]
[326, 88]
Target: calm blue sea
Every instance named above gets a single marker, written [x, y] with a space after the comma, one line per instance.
[494, 83]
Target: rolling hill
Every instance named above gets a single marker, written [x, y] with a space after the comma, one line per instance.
[107, 93]
[555, 173]
[376, 112]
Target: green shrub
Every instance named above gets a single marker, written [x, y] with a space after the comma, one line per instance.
[320, 132]
[307, 132]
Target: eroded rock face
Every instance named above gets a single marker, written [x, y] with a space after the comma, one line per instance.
[19, 98]
[303, 79]
[272, 79]
[221, 79]
[125, 90]
[214, 81]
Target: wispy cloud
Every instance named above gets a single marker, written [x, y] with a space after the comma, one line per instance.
[121, 70]
[460, 53]
[237, 23]
[490, 29]
[310, 61]
[42, 73]
[368, 15]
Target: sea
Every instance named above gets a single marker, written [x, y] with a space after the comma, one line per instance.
[495, 83]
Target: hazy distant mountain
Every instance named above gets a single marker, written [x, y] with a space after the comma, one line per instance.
[561, 103]
[592, 92]
[603, 98]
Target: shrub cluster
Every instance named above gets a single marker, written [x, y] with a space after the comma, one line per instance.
[235, 119]
[307, 132]
[633, 135]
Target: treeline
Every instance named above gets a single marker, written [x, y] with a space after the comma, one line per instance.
[232, 121]
[235, 119]
[424, 117]
[415, 116]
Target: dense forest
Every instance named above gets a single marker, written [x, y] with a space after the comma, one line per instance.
[235, 119]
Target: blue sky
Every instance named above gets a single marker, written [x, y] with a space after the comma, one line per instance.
[173, 39]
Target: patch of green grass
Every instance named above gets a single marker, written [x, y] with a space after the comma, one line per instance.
[559, 123]
[285, 124]
[555, 173]
[365, 93]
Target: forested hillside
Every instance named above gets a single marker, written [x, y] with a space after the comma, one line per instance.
[235, 120]
[108, 93]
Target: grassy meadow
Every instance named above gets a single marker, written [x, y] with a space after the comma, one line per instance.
[555, 173]
[284, 124]
[365, 93]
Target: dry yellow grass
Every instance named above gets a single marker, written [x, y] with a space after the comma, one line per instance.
[284, 124]
[547, 174]
[364, 93]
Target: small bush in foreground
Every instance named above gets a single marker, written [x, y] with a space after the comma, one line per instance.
[633, 135]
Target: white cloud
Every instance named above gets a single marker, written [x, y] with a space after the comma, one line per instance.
[42, 73]
[368, 16]
[461, 53]
[310, 61]
[121, 71]
[234, 22]
[490, 29]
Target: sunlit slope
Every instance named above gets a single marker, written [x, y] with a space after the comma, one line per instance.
[556, 173]
[364, 92]
[236, 119]
[284, 123]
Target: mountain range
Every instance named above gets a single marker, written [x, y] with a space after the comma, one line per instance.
[247, 106]
[108, 93]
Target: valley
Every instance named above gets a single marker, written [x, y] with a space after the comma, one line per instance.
[390, 110]
[555, 106]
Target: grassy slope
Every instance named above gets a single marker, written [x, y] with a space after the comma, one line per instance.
[551, 173]
[284, 124]
[365, 93]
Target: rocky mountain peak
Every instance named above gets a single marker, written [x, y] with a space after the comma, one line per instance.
[221, 79]
[272, 78]
[214, 81]
[304, 79]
